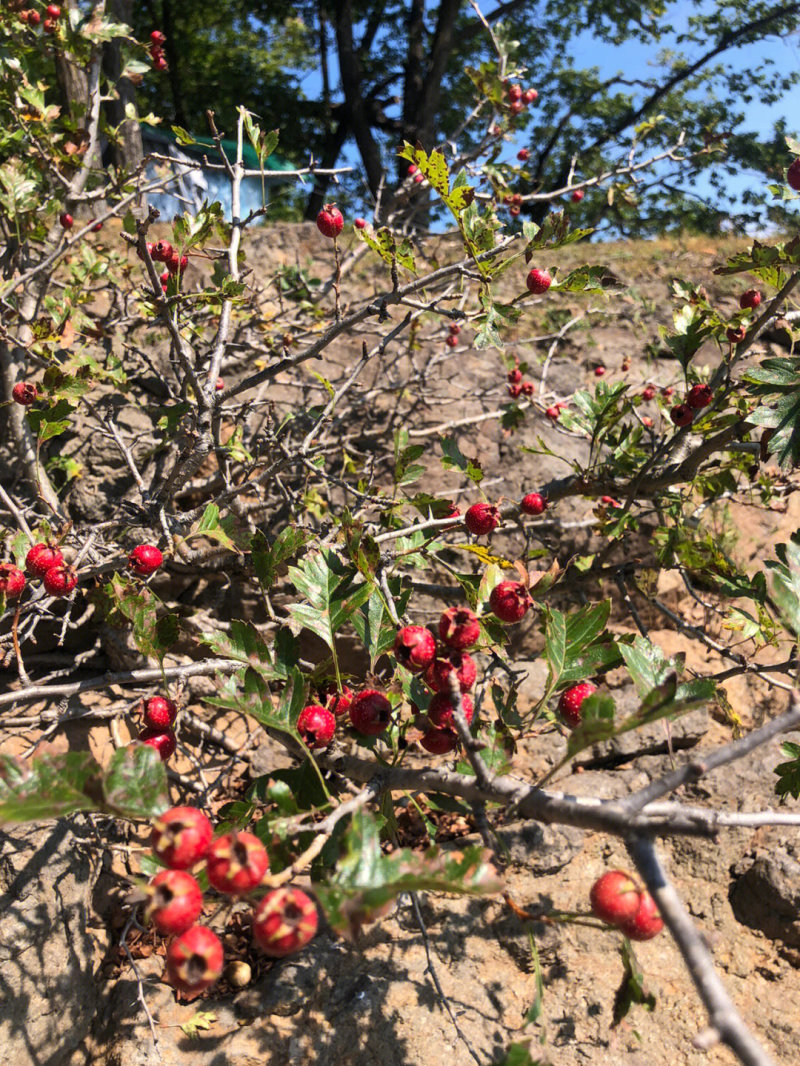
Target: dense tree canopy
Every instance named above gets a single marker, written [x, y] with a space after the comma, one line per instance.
[351, 79]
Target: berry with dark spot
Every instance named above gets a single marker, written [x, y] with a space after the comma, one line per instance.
[316, 725]
[175, 902]
[194, 960]
[284, 922]
[569, 705]
[459, 628]
[236, 863]
[370, 712]
[482, 518]
[415, 648]
[181, 837]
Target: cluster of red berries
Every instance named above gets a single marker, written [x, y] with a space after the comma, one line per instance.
[159, 714]
[413, 172]
[516, 386]
[514, 203]
[330, 221]
[283, 921]
[451, 340]
[24, 393]
[698, 397]
[163, 252]
[618, 899]
[32, 18]
[519, 98]
[157, 42]
[45, 561]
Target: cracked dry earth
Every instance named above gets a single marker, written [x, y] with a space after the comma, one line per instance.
[70, 997]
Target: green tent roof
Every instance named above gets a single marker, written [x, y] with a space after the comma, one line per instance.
[203, 144]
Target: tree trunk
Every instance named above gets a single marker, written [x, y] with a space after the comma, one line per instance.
[128, 153]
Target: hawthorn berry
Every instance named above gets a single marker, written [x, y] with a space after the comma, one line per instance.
[41, 557]
[415, 648]
[530, 96]
[175, 903]
[60, 580]
[609, 501]
[66, 220]
[316, 725]
[569, 705]
[338, 703]
[514, 376]
[330, 221]
[648, 392]
[599, 371]
[736, 334]
[646, 922]
[699, 396]
[437, 676]
[516, 107]
[534, 503]
[510, 601]
[577, 196]
[157, 37]
[514, 92]
[667, 392]
[161, 252]
[49, 26]
[554, 413]
[514, 391]
[34, 18]
[370, 712]
[284, 922]
[454, 327]
[482, 518]
[150, 250]
[750, 298]
[96, 226]
[160, 712]
[360, 223]
[439, 741]
[145, 559]
[527, 388]
[418, 179]
[12, 581]
[220, 385]
[194, 960]
[793, 175]
[160, 63]
[681, 414]
[523, 154]
[236, 863]
[53, 11]
[161, 740]
[181, 837]
[440, 710]
[413, 168]
[614, 897]
[24, 393]
[451, 340]
[459, 628]
[538, 281]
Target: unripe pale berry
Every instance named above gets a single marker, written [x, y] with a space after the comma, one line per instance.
[236, 863]
[24, 393]
[437, 676]
[41, 557]
[510, 601]
[12, 581]
[160, 712]
[161, 740]
[175, 903]
[681, 414]
[482, 518]
[750, 298]
[330, 221]
[459, 628]
[60, 580]
[415, 648]
[316, 725]
[181, 837]
[569, 705]
[439, 741]
[699, 396]
[538, 281]
[614, 897]
[145, 559]
[440, 710]
[534, 503]
[284, 922]
[370, 712]
[646, 923]
[194, 960]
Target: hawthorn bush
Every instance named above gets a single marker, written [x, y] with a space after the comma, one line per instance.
[153, 336]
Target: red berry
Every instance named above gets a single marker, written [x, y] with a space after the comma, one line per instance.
[437, 676]
[514, 92]
[175, 903]
[145, 559]
[514, 211]
[454, 327]
[23, 17]
[284, 922]
[316, 725]
[736, 334]
[699, 396]
[534, 503]
[160, 712]
[24, 393]
[360, 223]
[60, 580]
[569, 705]
[157, 37]
[530, 95]
[750, 298]
[96, 226]
[415, 648]
[413, 168]
[418, 179]
[150, 250]
[515, 376]
[220, 385]
[667, 392]
[615, 897]
[516, 107]
[34, 18]
[514, 391]
[162, 740]
[49, 26]
[599, 371]
[54, 11]
[194, 960]
[681, 414]
[451, 340]
[370, 712]
[527, 388]
[236, 863]
[554, 413]
[538, 281]
[793, 175]
[160, 63]
[165, 280]
[609, 501]
[577, 196]
[162, 251]
[330, 221]
[440, 710]
[482, 518]
[41, 557]
[646, 923]
[66, 220]
[649, 392]
[459, 628]
[12, 581]
[338, 703]
[439, 741]
[523, 154]
[181, 837]
[510, 601]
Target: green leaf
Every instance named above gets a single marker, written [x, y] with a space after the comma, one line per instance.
[454, 459]
[384, 242]
[51, 786]
[788, 783]
[330, 591]
[518, 1054]
[632, 989]
[555, 643]
[135, 782]
[269, 559]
